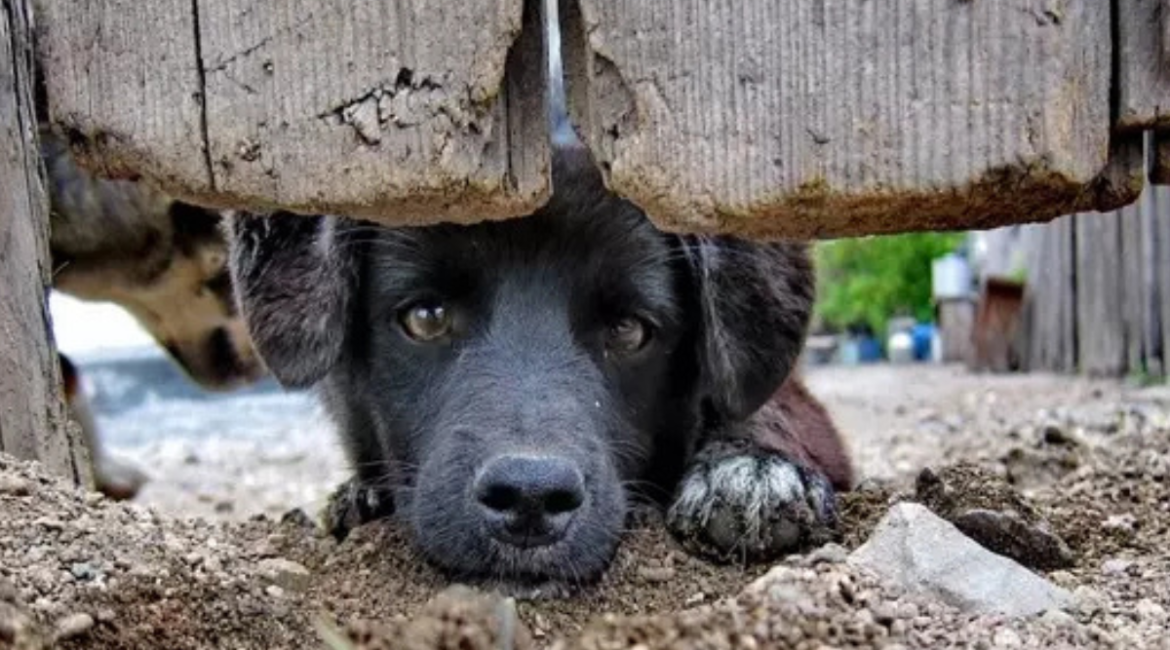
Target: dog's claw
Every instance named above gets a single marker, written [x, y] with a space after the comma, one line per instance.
[352, 504]
[739, 502]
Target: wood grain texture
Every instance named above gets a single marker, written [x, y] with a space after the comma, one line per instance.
[1152, 285]
[1134, 285]
[1050, 297]
[1040, 297]
[403, 111]
[837, 117]
[1143, 47]
[1101, 346]
[1159, 141]
[32, 417]
[1066, 243]
[1161, 206]
[1098, 290]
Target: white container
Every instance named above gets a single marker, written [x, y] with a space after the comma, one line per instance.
[950, 277]
[900, 348]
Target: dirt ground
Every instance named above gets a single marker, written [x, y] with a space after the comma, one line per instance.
[1093, 457]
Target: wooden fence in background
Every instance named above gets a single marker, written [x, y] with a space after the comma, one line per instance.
[1098, 291]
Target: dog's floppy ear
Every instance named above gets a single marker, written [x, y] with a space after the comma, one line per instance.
[294, 283]
[756, 300]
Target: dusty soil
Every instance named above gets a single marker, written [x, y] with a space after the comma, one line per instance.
[1093, 458]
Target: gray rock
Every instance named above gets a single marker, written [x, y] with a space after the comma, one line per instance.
[286, 574]
[919, 551]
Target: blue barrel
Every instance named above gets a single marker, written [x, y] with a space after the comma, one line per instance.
[869, 349]
[922, 333]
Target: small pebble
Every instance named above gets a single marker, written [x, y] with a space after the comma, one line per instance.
[83, 571]
[1006, 637]
[14, 486]
[827, 554]
[1058, 618]
[1122, 523]
[1148, 610]
[695, 599]
[264, 549]
[1064, 579]
[8, 591]
[106, 615]
[74, 625]
[1115, 566]
[1089, 601]
[50, 523]
[656, 574]
[884, 614]
[289, 575]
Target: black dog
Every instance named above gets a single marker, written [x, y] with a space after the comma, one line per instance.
[505, 388]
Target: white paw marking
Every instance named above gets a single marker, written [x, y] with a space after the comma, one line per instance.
[746, 504]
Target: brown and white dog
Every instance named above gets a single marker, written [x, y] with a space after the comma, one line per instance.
[163, 261]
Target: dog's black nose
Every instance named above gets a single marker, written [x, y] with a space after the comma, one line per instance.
[529, 501]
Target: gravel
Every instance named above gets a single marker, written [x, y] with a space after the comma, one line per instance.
[1091, 458]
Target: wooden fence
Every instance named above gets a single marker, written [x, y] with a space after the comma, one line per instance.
[1098, 290]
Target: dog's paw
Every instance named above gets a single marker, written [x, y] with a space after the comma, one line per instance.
[737, 502]
[352, 504]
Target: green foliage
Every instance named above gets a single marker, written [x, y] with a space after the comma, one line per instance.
[868, 280]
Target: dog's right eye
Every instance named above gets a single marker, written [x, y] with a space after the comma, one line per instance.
[628, 336]
[425, 322]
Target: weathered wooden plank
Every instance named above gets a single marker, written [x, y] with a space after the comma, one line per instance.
[1049, 293]
[838, 117]
[399, 110]
[1160, 152]
[1066, 229]
[1042, 297]
[1101, 349]
[1143, 47]
[1151, 284]
[1036, 292]
[124, 82]
[1161, 215]
[1133, 289]
[33, 424]
[1049, 303]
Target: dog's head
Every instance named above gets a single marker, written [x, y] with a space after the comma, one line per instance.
[517, 377]
[179, 289]
[190, 307]
[164, 261]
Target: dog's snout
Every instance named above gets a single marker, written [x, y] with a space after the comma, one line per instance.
[529, 501]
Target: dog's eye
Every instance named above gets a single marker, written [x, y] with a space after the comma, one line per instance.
[426, 321]
[627, 336]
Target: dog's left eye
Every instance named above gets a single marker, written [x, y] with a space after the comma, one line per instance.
[627, 336]
[426, 321]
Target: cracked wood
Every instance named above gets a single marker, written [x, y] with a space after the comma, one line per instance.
[837, 117]
[1143, 34]
[33, 424]
[394, 110]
